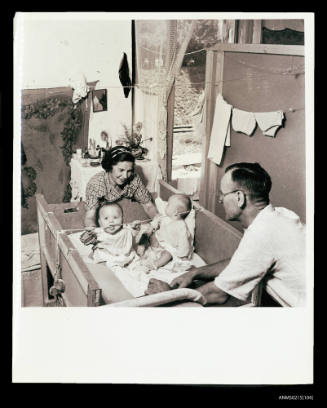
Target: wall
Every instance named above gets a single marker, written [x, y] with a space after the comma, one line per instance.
[50, 49]
[265, 83]
[56, 46]
[42, 141]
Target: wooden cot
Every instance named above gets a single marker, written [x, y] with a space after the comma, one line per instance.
[95, 284]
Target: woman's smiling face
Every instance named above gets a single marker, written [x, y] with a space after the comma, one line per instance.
[122, 172]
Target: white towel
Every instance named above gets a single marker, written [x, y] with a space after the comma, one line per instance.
[220, 134]
[243, 121]
[269, 122]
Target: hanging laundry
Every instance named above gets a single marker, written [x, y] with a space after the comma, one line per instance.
[269, 122]
[220, 134]
[79, 86]
[124, 75]
[243, 121]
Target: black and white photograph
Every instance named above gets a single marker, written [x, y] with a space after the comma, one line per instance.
[164, 185]
[99, 100]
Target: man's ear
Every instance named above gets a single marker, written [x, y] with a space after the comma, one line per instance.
[241, 199]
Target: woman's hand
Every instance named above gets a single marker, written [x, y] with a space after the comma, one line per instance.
[156, 222]
[88, 237]
[144, 233]
[183, 281]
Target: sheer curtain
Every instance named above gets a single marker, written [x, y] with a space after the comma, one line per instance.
[160, 49]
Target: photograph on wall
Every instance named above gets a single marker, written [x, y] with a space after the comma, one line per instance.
[192, 196]
[99, 100]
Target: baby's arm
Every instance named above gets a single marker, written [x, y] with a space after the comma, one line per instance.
[184, 246]
[165, 257]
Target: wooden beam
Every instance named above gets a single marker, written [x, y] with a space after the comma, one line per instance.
[245, 31]
[170, 131]
[212, 175]
[209, 101]
[257, 32]
[276, 49]
[133, 70]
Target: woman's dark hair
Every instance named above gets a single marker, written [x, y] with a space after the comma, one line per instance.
[115, 155]
[102, 202]
[253, 178]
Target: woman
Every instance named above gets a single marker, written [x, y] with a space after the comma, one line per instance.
[116, 182]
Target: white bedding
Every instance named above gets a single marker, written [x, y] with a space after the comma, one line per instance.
[135, 282]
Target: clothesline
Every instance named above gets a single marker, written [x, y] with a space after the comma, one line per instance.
[257, 67]
[187, 53]
[290, 109]
[197, 83]
[271, 71]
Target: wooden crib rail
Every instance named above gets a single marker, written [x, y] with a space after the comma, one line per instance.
[81, 288]
[162, 298]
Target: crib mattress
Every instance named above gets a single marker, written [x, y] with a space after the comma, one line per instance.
[117, 285]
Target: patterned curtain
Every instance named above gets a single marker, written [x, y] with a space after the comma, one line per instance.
[160, 49]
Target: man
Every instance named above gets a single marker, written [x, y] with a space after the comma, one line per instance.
[273, 242]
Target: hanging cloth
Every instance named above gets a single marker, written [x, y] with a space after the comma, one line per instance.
[269, 122]
[124, 75]
[79, 86]
[243, 121]
[220, 134]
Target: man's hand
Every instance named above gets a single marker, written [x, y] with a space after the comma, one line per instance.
[183, 281]
[156, 286]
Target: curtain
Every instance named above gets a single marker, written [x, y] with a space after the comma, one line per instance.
[160, 49]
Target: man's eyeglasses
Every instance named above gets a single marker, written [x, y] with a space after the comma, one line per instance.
[223, 195]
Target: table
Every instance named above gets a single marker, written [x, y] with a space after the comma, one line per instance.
[82, 171]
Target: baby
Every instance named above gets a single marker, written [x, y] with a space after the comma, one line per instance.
[114, 241]
[173, 240]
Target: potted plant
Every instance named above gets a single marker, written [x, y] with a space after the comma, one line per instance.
[133, 140]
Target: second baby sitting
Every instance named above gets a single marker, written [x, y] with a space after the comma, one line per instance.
[171, 240]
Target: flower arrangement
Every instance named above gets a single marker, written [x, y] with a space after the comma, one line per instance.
[133, 140]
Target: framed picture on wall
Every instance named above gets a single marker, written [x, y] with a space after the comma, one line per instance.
[99, 100]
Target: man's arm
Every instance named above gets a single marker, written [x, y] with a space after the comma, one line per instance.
[206, 272]
[212, 293]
